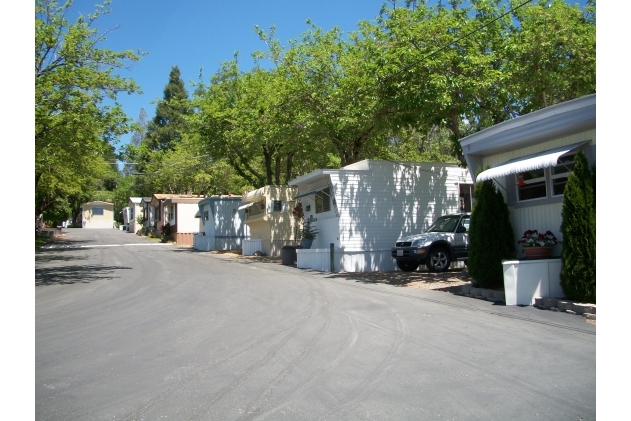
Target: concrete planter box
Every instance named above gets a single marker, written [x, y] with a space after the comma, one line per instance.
[526, 279]
[488, 293]
[499, 295]
[564, 305]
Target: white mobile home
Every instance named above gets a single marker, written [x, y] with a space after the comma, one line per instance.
[223, 224]
[363, 208]
[135, 208]
[179, 212]
[530, 157]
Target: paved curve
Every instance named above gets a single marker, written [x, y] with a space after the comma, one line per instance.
[129, 329]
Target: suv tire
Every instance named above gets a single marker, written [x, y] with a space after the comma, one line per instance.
[407, 266]
[438, 260]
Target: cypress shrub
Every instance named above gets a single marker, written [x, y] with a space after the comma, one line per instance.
[578, 226]
[491, 238]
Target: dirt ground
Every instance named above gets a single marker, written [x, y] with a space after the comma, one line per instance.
[449, 281]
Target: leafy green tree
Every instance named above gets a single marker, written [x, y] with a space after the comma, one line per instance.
[491, 237]
[74, 128]
[169, 123]
[551, 54]
[578, 227]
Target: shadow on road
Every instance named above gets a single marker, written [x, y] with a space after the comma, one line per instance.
[56, 256]
[74, 274]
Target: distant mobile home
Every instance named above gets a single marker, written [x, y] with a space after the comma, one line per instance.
[363, 208]
[135, 208]
[180, 214]
[223, 224]
[97, 215]
[270, 220]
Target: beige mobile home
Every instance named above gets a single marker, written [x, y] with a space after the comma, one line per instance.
[97, 215]
[269, 217]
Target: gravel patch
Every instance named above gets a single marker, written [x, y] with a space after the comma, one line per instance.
[449, 281]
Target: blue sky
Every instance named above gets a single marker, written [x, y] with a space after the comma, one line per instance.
[197, 33]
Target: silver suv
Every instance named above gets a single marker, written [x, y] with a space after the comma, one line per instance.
[445, 241]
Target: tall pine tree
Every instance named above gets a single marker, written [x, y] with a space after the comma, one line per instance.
[169, 123]
[578, 226]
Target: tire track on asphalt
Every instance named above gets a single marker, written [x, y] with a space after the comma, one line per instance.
[380, 371]
[348, 346]
[248, 371]
[256, 407]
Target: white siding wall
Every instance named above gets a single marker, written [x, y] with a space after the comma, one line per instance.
[541, 217]
[393, 200]
[209, 226]
[185, 216]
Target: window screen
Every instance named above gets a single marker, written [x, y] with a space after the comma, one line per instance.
[323, 200]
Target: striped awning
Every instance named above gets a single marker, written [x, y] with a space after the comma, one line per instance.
[320, 190]
[536, 161]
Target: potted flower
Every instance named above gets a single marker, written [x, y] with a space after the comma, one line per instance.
[537, 245]
[307, 234]
[297, 211]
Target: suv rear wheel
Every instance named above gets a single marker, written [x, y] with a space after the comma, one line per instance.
[407, 266]
[438, 260]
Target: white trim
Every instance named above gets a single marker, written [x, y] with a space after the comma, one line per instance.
[536, 161]
[245, 206]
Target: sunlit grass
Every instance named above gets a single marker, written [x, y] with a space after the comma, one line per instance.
[40, 240]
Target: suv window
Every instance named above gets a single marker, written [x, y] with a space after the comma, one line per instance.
[444, 224]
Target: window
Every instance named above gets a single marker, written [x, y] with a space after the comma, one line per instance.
[323, 200]
[171, 214]
[277, 206]
[97, 211]
[559, 174]
[257, 208]
[466, 196]
[205, 215]
[533, 184]
[131, 213]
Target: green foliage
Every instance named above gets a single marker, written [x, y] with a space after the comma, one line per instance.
[551, 54]
[406, 87]
[169, 124]
[491, 237]
[578, 227]
[40, 240]
[73, 127]
[307, 232]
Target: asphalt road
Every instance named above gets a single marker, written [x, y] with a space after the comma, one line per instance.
[130, 329]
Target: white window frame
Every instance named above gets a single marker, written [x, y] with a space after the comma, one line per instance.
[567, 164]
[549, 178]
